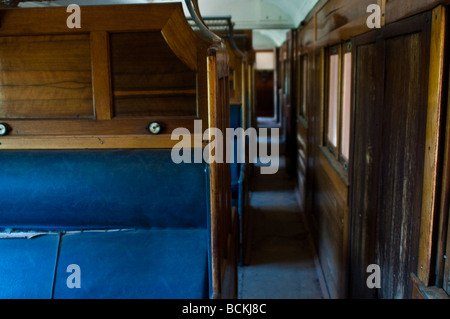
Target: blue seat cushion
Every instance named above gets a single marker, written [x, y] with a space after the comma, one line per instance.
[235, 122]
[149, 264]
[27, 267]
[96, 189]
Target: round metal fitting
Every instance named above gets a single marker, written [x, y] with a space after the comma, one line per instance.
[4, 129]
[154, 128]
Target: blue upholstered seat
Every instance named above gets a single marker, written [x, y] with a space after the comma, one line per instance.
[235, 122]
[100, 189]
[158, 263]
[27, 267]
[163, 255]
[237, 169]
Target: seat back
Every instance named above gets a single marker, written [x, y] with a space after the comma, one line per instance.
[235, 122]
[100, 189]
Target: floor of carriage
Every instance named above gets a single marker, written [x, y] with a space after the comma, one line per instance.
[281, 261]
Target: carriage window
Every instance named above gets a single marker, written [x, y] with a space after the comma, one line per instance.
[265, 60]
[338, 107]
[346, 105]
[333, 92]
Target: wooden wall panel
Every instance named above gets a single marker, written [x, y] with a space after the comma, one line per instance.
[388, 142]
[61, 87]
[101, 75]
[331, 208]
[302, 162]
[443, 272]
[46, 77]
[143, 105]
[402, 163]
[306, 37]
[148, 78]
[397, 9]
[340, 20]
[364, 190]
[433, 151]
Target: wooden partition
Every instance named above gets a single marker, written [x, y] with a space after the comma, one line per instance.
[100, 86]
[239, 96]
[382, 201]
[126, 79]
[223, 27]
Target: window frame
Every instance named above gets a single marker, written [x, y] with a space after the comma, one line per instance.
[335, 151]
[302, 78]
[347, 48]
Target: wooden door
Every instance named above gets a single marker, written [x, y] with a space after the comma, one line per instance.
[363, 175]
[264, 93]
[388, 159]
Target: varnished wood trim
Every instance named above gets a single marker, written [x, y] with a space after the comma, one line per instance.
[154, 92]
[181, 39]
[397, 10]
[214, 181]
[443, 238]
[429, 204]
[420, 291]
[382, 4]
[244, 95]
[335, 167]
[116, 126]
[114, 18]
[89, 142]
[101, 75]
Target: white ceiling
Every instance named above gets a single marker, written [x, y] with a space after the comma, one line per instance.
[260, 14]
[270, 19]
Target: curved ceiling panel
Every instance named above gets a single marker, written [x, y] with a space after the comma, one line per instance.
[248, 14]
[268, 39]
[269, 18]
[260, 14]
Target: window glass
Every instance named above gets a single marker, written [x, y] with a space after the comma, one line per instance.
[333, 100]
[346, 105]
[265, 60]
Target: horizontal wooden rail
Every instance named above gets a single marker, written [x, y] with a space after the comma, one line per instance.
[155, 92]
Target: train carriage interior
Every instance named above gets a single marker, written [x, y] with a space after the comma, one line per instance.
[224, 149]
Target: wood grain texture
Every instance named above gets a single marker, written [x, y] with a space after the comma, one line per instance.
[446, 277]
[332, 208]
[215, 191]
[151, 67]
[364, 190]
[342, 15]
[128, 141]
[101, 75]
[420, 291]
[433, 127]
[403, 145]
[443, 249]
[398, 9]
[45, 77]
[388, 161]
[116, 126]
[306, 37]
[148, 78]
[181, 39]
[223, 233]
[114, 18]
